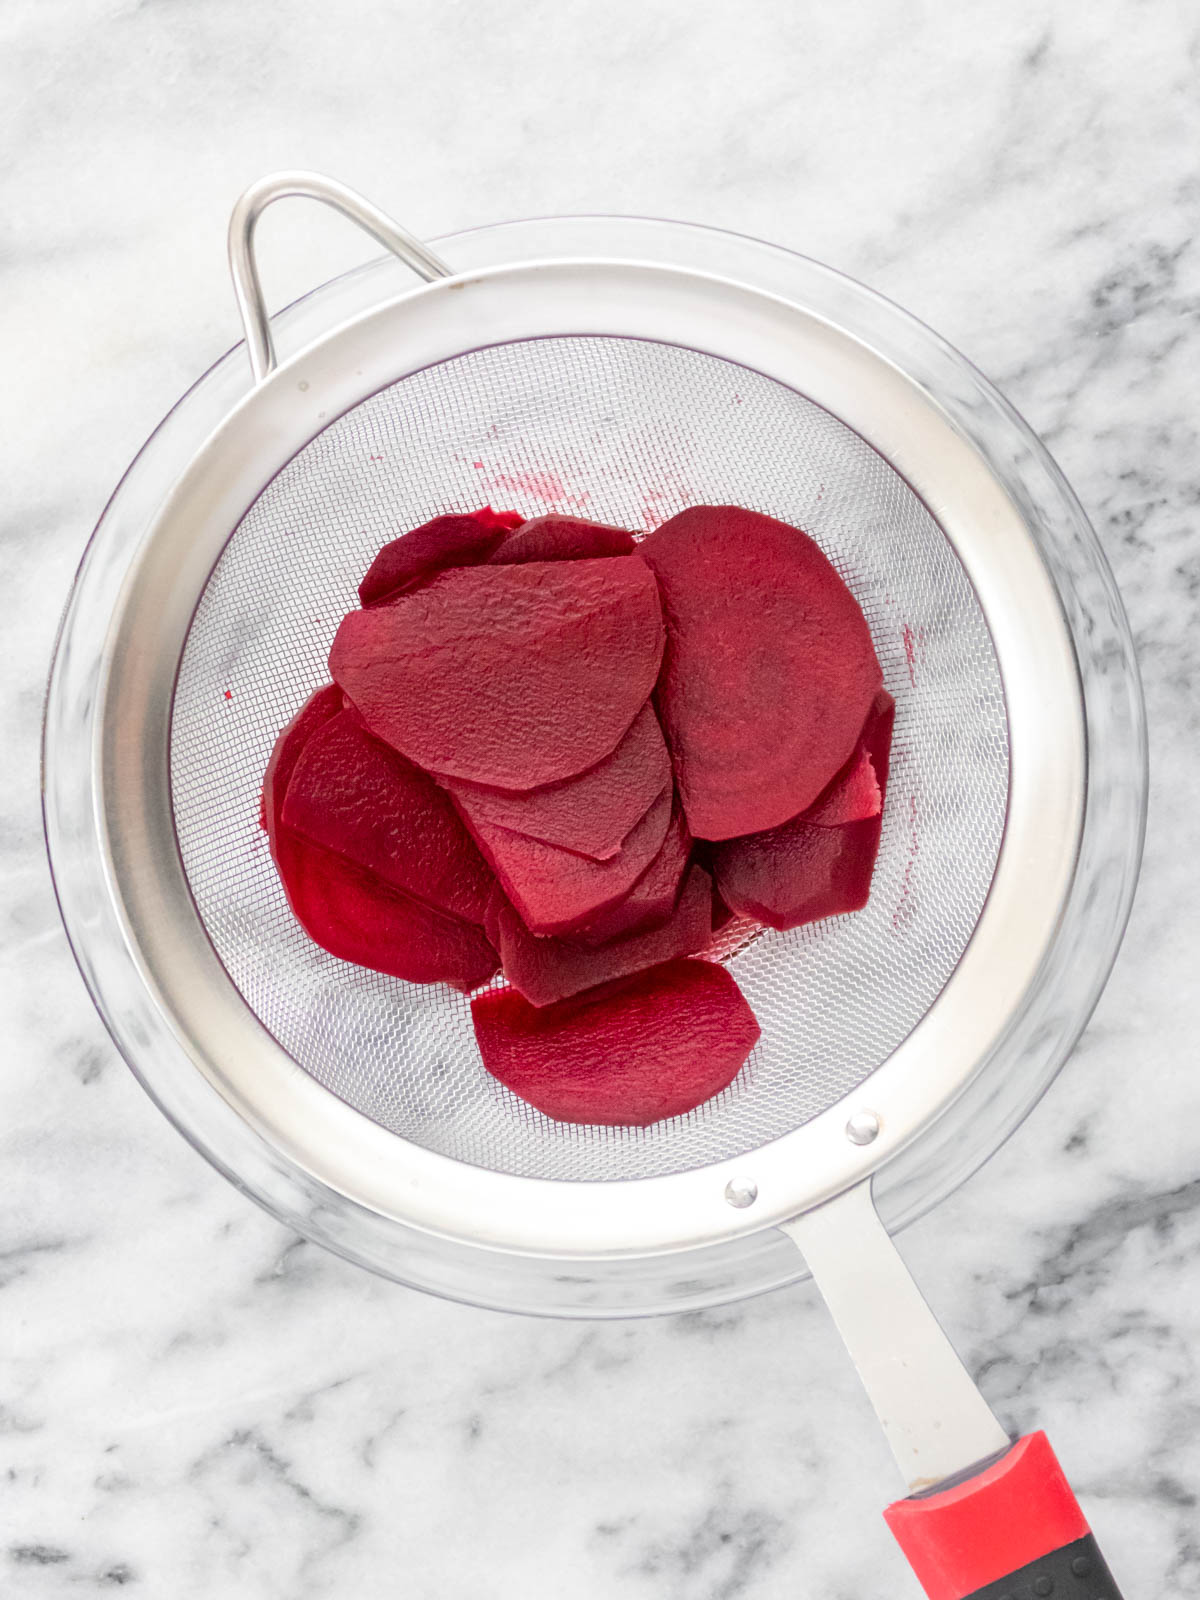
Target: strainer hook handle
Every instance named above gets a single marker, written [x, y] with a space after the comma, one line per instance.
[243, 264]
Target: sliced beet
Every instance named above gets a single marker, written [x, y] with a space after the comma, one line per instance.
[804, 870]
[455, 540]
[722, 916]
[352, 914]
[546, 970]
[561, 539]
[853, 796]
[318, 709]
[629, 1053]
[357, 796]
[346, 909]
[769, 670]
[591, 814]
[652, 899]
[799, 872]
[555, 890]
[513, 677]
[497, 900]
[877, 739]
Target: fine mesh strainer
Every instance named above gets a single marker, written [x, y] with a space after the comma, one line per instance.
[623, 370]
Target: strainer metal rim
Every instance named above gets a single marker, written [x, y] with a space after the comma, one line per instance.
[699, 311]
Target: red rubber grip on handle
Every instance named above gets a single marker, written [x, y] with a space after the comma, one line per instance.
[1012, 1513]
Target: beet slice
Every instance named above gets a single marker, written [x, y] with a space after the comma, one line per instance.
[769, 670]
[546, 970]
[561, 539]
[555, 890]
[804, 871]
[853, 796]
[877, 737]
[358, 797]
[497, 900]
[455, 540]
[629, 1053]
[344, 908]
[350, 913]
[722, 916]
[591, 814]
[652, 899]
[513, 677]
[318, 709]
[798, 873]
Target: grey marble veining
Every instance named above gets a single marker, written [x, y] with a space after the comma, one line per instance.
[194, 1403]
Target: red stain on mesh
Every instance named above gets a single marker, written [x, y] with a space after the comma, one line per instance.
[914, 649]
[914, 850]
[652, 514]
[547, 487]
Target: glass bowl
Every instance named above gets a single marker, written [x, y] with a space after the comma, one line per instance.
[1006, 1084]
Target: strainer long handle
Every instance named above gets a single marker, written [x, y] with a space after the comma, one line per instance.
[247, 285]
[990, 1519]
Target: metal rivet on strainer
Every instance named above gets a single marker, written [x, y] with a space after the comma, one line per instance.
[863, 1127]
[741, 1192]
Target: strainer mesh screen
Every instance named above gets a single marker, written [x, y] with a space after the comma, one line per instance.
[629, 432]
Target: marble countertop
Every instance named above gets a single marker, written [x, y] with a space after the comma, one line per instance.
[195, 1403]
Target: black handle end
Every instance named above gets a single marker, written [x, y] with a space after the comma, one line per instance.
[1075, 1571]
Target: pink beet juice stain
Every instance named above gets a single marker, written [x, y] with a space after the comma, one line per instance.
[914, 850]
[914, 648]
[547, 487]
